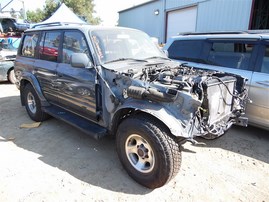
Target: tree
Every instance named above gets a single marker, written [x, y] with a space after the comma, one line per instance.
[35, 16]
[82, 8]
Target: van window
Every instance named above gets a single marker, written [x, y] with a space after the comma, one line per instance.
[29, 45]
[49, 46]
[186, 50]
[8, 25]
[74, 42]
[231, 54]
[265, 61]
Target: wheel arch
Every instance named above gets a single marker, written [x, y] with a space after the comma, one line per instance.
[156, 112]
[28, 78]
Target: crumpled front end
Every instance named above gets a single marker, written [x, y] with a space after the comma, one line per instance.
[223, 104]
[191, 102]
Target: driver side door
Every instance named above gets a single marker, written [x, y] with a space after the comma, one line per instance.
[76, 85]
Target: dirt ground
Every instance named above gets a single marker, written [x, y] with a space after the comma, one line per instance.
[55, 162]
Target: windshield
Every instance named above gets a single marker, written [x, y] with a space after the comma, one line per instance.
[119, 44]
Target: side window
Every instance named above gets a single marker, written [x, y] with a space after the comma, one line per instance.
[74, 42]
[29, 45]
[191, 50]
[265, 61]
[49, 46]
[231, 54]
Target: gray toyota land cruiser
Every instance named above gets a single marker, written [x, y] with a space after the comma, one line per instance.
[116, 81]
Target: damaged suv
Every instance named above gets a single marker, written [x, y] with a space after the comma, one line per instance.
[116, 81]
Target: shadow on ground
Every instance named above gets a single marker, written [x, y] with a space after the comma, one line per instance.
[248, 141]
[96, 162]
[62, 146]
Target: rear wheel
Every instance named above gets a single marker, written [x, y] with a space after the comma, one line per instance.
[147, 151]
[33, 105]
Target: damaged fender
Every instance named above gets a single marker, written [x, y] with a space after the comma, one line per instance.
[158, 111]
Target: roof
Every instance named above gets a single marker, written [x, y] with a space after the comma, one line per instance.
[136, 6]
[68, 25]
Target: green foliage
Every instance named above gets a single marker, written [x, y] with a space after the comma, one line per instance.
[82, 8]
[50, 7]
[35, 16]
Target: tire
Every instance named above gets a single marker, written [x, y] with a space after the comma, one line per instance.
[32, 104]
[11, 76]
[147, 151]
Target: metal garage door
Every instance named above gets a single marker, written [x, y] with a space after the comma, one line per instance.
[182, 20]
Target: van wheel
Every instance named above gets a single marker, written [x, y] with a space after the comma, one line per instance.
[32, 104]
[147, 151]
[11, 76]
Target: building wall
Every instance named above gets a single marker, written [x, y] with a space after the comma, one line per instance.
[212, 15]
[216, 15]
[176, 4]
[143, 18]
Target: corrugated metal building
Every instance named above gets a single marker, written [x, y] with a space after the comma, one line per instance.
[165, 18]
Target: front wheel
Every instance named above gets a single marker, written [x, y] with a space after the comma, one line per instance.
[11, 76]
[147, 151]
[33, 105]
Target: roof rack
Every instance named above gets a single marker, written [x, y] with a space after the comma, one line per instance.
[258, 31]
[214, 33]
[51, 24]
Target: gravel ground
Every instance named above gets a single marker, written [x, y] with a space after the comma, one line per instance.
[55, 162]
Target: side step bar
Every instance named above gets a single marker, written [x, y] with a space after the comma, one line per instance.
[82, 124]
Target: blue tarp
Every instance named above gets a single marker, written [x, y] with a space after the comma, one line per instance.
[13, 41]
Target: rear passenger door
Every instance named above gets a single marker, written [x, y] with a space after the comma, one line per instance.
[76, 85]
[46, 64]
[259, 90]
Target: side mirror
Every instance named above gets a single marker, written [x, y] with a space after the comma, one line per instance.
[80, 60]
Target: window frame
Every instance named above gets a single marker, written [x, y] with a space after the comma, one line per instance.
[62, 42]
[254, 54]
[22, 43]
[43, 33]
[261, 52]
[204, 51]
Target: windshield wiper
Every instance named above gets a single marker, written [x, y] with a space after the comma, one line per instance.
[123, 59]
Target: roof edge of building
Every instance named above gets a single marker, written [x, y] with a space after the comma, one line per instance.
[136, 6]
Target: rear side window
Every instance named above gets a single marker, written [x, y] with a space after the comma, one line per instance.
[49, 46]
[231, 54]
[186, 50]
[29, 45]
[265, 61]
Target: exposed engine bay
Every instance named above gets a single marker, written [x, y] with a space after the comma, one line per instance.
[205, 102]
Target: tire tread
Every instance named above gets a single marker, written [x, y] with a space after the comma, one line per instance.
[167, 148]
